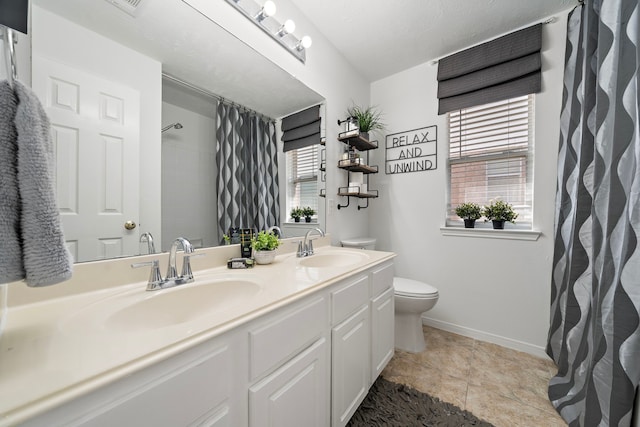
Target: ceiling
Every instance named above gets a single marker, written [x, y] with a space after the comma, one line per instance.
[382, 37]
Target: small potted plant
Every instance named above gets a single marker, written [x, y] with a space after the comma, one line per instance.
[296, 213]
[264, 246]
[498, 212]
[368, 119]
[307, 212]
[469, 212]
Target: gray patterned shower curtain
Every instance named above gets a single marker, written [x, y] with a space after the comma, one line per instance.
[247, 159]
[594, 336]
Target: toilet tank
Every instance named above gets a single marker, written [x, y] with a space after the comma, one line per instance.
[360, 243]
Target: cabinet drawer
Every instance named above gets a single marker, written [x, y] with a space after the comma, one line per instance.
[348, 298]
[382, 279]
[279, 339]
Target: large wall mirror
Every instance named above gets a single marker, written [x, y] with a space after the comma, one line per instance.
[148, 74]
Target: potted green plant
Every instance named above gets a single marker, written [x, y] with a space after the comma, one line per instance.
[296, 213]
[264, 246]
[308, 212]
[368, 119]
[498, 212]
[469, 212]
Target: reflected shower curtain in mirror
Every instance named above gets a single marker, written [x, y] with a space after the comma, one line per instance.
[594, 335]
[247, 159]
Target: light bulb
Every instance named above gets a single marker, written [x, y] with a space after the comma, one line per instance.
[269, 9]
[288, 27]
[305, 43]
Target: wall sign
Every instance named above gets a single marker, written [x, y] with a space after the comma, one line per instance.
[411, 151]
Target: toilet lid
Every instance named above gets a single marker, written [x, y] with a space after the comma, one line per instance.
[359, 242]
[413, 288]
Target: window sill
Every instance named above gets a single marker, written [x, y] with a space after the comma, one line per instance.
[490, 233]
[302, 223]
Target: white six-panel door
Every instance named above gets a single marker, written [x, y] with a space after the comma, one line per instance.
[95, 126]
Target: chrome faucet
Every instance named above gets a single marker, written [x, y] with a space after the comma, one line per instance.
[306, 248]
[277, 230]
[172, 272]
[148, 238]
[155, 278]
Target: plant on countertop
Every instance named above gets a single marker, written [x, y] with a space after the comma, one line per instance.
[226, 239]
[296, 213]
[368, 119]
[265, 241]
[499, 210]
[469, 210]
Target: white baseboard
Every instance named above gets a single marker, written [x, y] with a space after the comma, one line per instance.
[485, 336]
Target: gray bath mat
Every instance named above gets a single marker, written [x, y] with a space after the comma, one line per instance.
[389, 404]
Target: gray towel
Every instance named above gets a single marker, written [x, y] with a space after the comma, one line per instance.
[11, 268]
[44, 253]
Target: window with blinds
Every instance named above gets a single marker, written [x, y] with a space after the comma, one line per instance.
[491, 156]
[302, 179]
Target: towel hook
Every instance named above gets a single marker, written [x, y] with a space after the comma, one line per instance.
[10, 53]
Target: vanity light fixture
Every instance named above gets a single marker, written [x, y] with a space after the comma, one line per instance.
[262, 16]
[287, 28]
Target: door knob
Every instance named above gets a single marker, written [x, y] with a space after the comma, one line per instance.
[129, 225]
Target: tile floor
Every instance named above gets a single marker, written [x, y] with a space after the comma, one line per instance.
[506, 387]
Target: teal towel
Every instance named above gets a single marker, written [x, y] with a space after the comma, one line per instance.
[44, 253]
[11, 267]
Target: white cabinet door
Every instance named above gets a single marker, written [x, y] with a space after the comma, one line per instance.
[382, 332]
[351, 374]
[294, 395]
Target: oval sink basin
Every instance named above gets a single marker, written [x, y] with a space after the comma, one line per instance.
[181, 304]
[342, 259]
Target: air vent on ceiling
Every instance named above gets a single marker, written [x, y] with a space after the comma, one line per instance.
[129, 6]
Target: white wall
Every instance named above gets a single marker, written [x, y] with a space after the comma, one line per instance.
[189, 202]
[78, 47]
[493, 289]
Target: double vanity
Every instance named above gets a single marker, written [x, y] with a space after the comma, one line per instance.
[294, 343]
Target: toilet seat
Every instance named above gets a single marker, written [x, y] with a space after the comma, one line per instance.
[413, 288]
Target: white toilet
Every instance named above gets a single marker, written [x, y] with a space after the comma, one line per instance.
[411, 298]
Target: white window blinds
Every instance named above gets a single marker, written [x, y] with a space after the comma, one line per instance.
[491, 156]
[302, 178]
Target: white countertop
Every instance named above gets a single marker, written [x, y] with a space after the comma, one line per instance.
[57, 349]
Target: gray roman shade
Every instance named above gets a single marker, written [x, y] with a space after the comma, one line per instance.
[500, 69]
[301, 129]
[13, 14]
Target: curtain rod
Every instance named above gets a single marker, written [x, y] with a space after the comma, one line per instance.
[549, 20]
[210, 94]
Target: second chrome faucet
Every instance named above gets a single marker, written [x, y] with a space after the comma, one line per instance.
[306, 248]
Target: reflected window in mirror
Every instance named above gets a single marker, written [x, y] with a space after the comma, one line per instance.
[302, 180]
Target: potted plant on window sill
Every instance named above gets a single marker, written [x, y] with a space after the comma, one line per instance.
[308, 212]
[368, 119]
[296, 213]
[264, 246]
[469, 212]
[499, 212]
